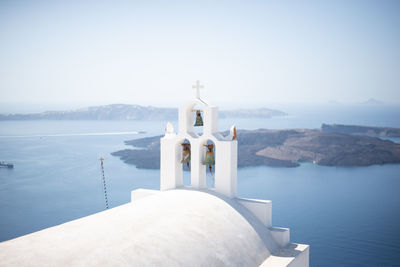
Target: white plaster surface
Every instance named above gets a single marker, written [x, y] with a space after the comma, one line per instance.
[262, 209]
[281, 235]
[294, 255]
[142, 193]
[171, 228]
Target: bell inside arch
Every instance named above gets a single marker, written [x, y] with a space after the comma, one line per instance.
[186, 154]
[199, 119]
[209, 159]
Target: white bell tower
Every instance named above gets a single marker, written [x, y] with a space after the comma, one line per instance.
[225, 150]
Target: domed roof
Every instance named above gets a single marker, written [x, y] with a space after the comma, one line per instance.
[177, 227]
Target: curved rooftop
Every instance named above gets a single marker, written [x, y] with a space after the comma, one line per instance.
[172, 228]
[183, 226]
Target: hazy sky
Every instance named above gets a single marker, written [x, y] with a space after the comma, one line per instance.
[79, 53]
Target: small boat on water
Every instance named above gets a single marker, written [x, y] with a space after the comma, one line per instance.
[6, 165]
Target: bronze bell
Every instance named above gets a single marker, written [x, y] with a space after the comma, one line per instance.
[210, 158]
[199, 119]
[186, 154]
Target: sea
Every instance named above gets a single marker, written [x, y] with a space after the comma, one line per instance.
[350, 216]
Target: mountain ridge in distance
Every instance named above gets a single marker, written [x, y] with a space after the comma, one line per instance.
[133, 112]
[372, 102]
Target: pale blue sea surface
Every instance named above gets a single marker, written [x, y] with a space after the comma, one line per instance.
[349, 215]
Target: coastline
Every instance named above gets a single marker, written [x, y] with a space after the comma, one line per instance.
[284, 148]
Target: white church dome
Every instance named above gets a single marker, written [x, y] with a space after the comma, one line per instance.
[172, 228]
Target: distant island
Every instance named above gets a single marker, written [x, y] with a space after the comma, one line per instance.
[133, 112]
[372, 102]
[361, 130]
[288, 148]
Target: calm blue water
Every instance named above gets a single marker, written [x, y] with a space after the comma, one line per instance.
[349, 216]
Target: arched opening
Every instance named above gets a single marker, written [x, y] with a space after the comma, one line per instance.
[209, 162]
[186, 161]
[198, 119]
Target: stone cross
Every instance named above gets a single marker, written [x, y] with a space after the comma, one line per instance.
[197, 86]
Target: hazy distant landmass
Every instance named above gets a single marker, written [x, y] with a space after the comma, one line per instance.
[361, 130]
[133, 112]
[372, 102]
[369, 102]
[285, 148]
[251, 113]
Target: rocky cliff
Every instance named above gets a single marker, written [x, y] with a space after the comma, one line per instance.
[284, 148]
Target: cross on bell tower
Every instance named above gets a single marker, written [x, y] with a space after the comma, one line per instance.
[197, 86]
